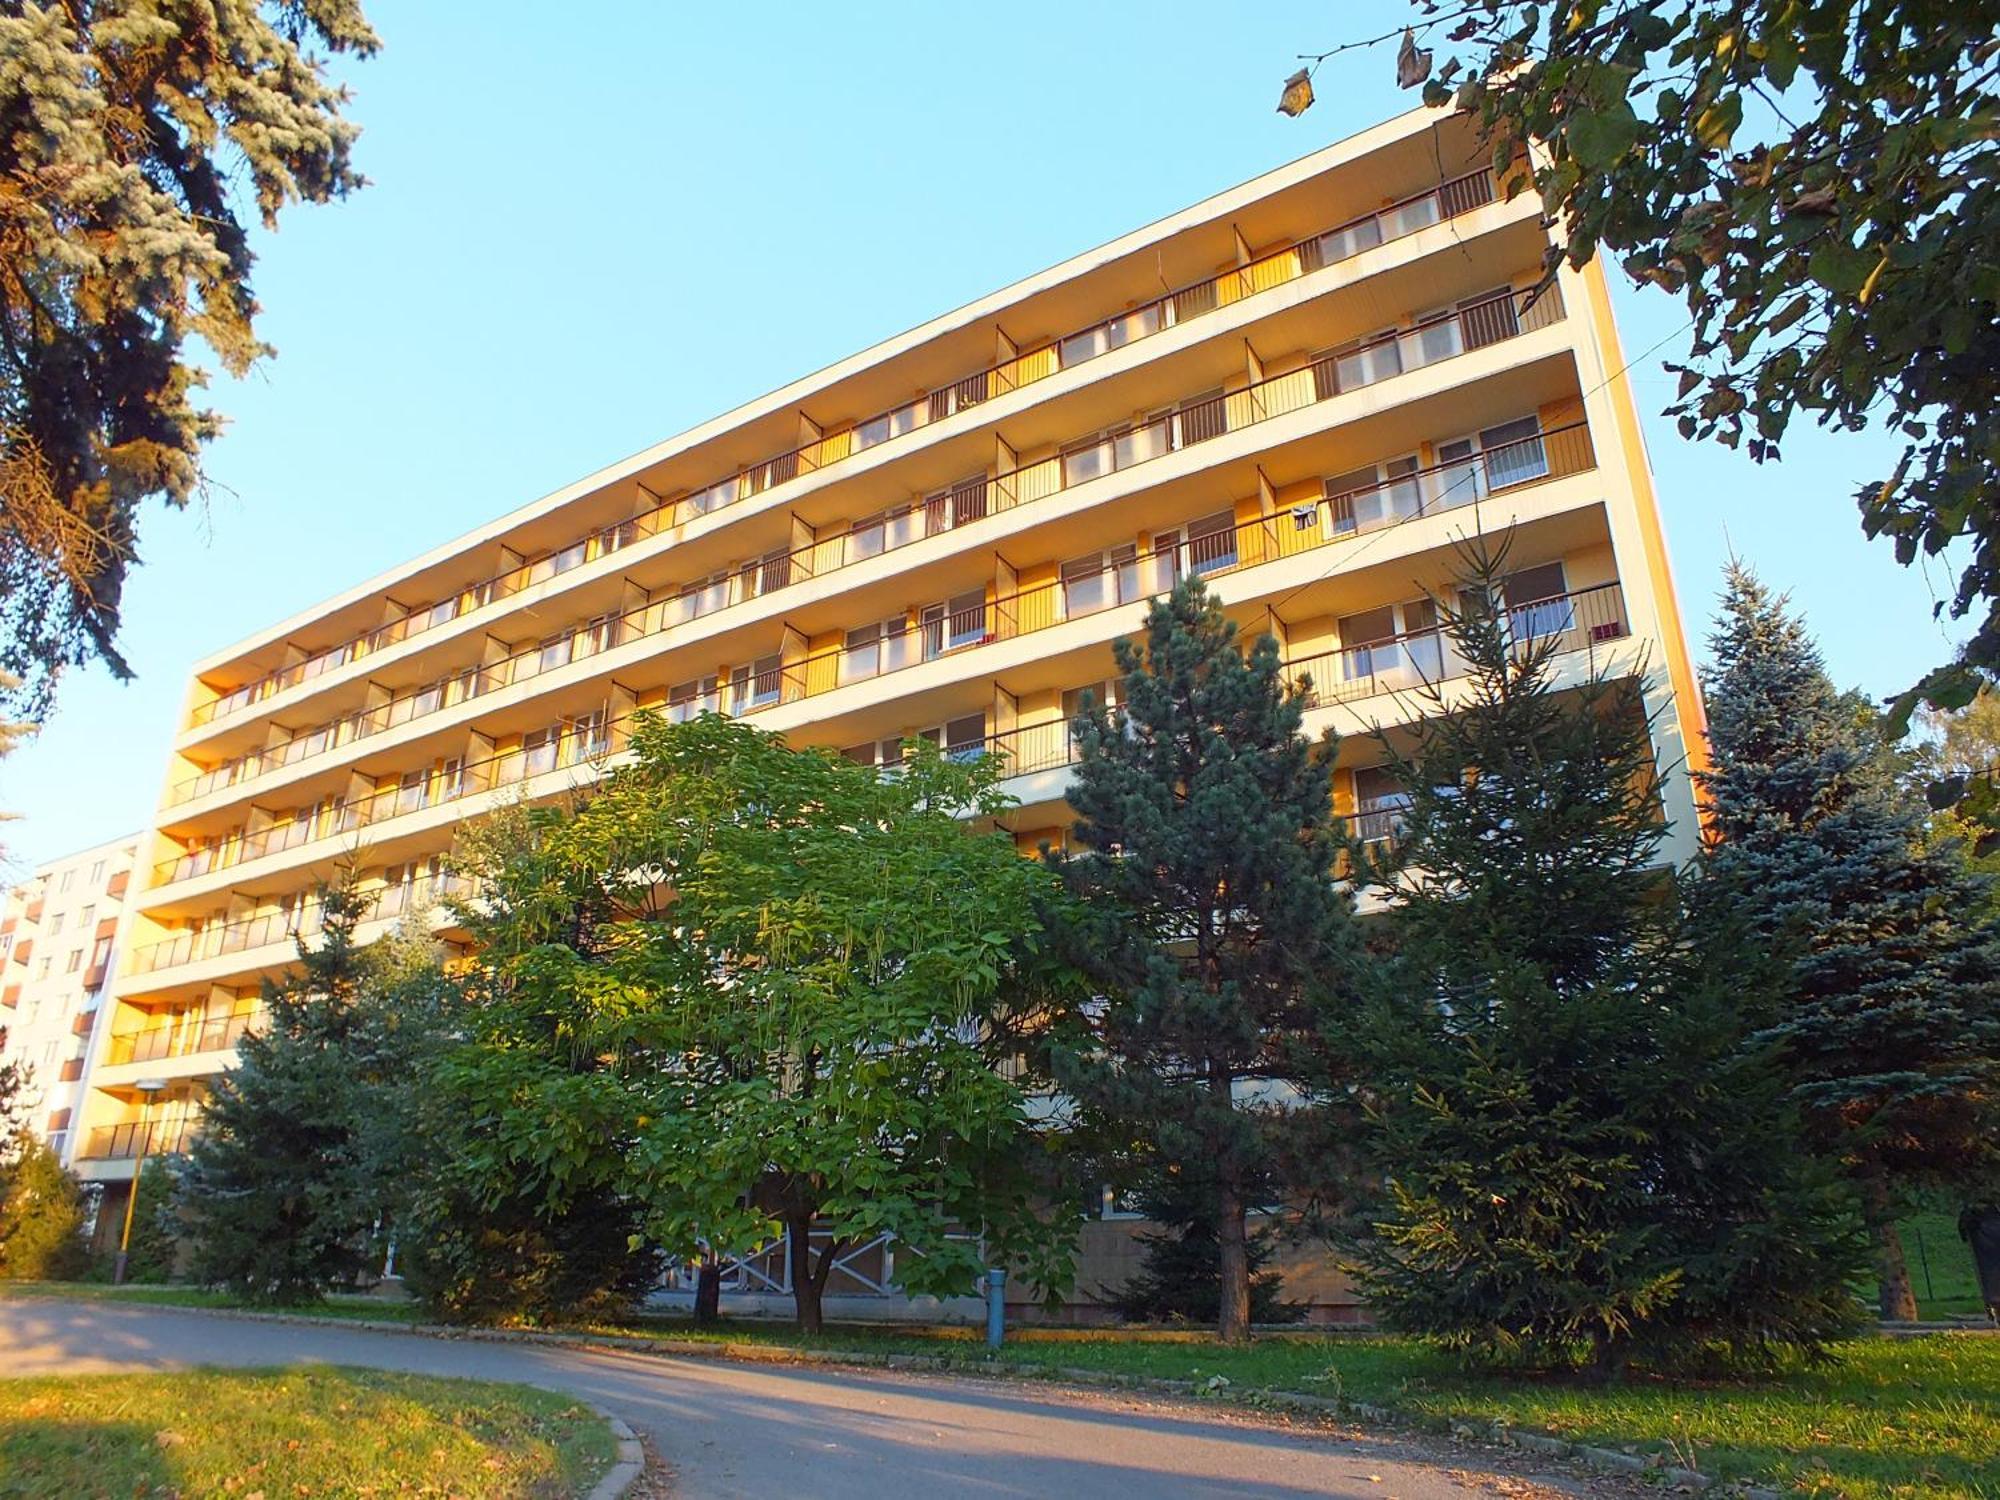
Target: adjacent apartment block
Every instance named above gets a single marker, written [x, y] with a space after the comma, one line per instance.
[1303, 390]
[57, 950]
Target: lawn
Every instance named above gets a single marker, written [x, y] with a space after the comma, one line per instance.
[1901, 1418]
[1941, 1267]
[301, 1432]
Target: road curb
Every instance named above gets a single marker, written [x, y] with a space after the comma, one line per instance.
[628, 1463]
[1655, 1465]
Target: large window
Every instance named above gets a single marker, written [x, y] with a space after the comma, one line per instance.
[879, 646]
[690, 700]
[1099, 580]
[756, 684]
[1378, 495]
[1212, 543]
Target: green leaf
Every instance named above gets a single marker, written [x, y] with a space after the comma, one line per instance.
[1598, 138]
[1839, 267]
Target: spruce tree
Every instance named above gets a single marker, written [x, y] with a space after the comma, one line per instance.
[1204, 848]
[1179, 1279]
[278, 1193]
[1581, 1160]
[1890, 1029]
[42, 1213]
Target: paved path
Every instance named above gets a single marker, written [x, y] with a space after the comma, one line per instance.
[759, 1430]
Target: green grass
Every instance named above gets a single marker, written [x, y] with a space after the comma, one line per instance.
[299, 1432]
[1941, 1266]
[337, 1306]
[1892, 1419]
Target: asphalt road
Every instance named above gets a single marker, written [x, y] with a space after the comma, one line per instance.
[759, 1430]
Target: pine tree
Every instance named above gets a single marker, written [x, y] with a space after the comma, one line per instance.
[42, 1213]
[278, 1193]
[1582, 1160]
[1205, 847]
[1179, 1278]
[1891, 1026]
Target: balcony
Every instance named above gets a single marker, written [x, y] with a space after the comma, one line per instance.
[1474, 325]
[125, 1142]
[1448, 200]
[246, 933]
[1207, 551]
[1584, 620]
[184, 1037]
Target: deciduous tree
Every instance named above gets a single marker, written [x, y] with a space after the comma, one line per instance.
[1820, 181]
[773, 990]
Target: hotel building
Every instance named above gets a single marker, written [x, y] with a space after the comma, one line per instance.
[1304, 390]
[57, 951]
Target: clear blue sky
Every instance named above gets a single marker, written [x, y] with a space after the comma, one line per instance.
[587, 231]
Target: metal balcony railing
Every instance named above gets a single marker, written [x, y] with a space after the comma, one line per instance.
[124, 1142]
[1585, 620]
[185, 1037]
[245, 933]
[1449, 199]
[1206, 553]
[1472, 326]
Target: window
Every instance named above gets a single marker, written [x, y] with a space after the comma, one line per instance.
[880, 646]
[56, 923]
[556, 652]
[690, 700]
[68, 880]
[413, 791]
[1098, 580]
[1406, 218]
[1368, 360]
[1378, 495]
[1086, 461]
[42, 969]
[1212, 543]
[703, 596]
[1350, 239]
[1514, 452]
[755, 684]
[75, 961]
[1537, 603]
[959, 621]
[1380, 804]
[586, 738]
[101, 954]
[97, 873]
[538, 750]
[965, 739]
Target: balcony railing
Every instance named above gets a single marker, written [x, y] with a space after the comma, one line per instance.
[124, 1142]
[245, 933]
[1226, 549]
[1448, 200]
[1475, 325]
[1583, 620]
[182, 1038]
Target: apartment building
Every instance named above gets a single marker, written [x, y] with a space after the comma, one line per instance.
[57, 951]
[1303, 390]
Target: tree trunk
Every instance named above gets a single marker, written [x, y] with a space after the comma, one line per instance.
[708, 1292]
[805, 1285]
[1898, 1299]
[1232, 1242]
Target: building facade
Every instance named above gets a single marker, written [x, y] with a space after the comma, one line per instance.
[1304, 390]
[58, 951]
